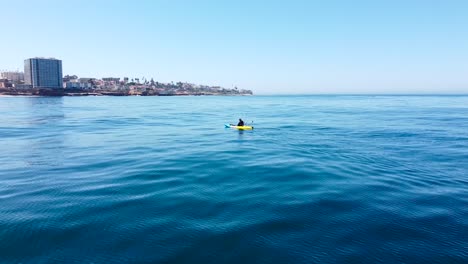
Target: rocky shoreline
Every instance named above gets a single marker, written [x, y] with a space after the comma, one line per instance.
[68, 92]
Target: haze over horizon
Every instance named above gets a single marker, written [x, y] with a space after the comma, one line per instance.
[270, 47]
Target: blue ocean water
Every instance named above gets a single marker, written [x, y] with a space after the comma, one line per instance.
[321, 179]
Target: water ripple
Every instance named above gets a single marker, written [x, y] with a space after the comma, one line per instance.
[321, 179]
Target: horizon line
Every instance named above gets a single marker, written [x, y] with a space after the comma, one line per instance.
[362, 94]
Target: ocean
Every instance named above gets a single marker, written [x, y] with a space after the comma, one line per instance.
[320, 179]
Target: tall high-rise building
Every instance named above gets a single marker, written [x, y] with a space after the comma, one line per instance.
[43, 73]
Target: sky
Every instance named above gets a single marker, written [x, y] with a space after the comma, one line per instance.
[270, 47]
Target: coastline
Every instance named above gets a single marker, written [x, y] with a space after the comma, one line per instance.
[110, 94]
[39, 93]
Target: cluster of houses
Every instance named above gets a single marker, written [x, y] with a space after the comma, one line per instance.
[143, 86]
[14, 83]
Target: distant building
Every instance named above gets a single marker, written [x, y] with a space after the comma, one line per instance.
[111, 79]
[13, 76]
[86, 80]
[43, 73]
[72, 85]
[77, 85]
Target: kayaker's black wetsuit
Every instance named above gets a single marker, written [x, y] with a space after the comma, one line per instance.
[241, 123]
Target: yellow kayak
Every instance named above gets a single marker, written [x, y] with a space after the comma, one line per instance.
[239, 127]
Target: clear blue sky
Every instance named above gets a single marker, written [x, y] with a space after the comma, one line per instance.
[393, 46]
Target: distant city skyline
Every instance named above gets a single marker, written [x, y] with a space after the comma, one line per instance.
[44, 77]
[270, 47]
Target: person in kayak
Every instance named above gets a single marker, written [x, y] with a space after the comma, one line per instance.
[241, 122]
